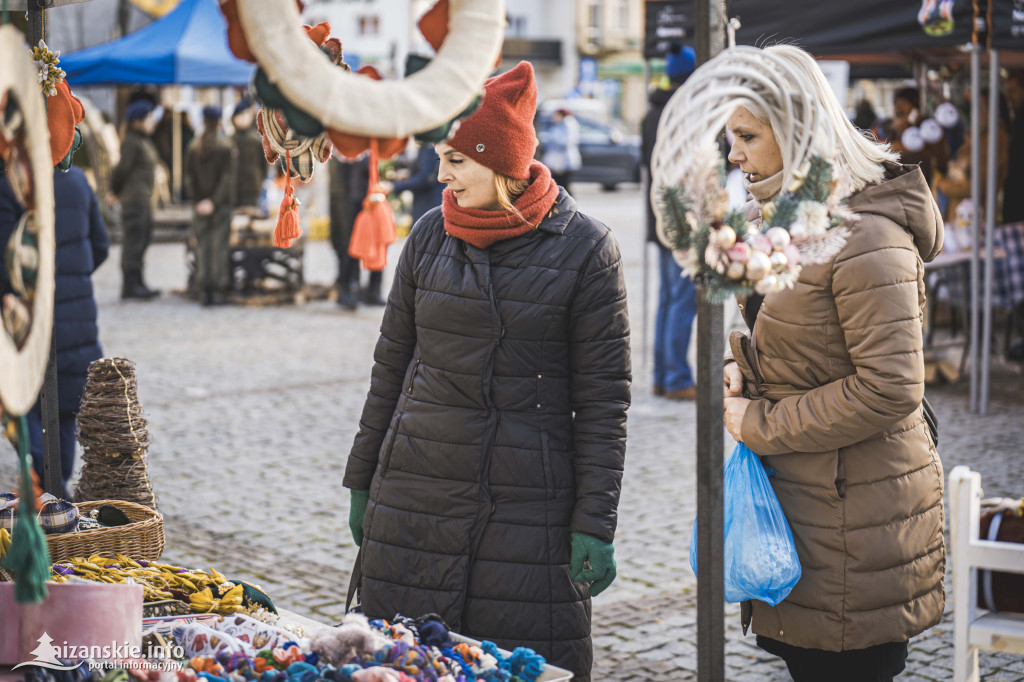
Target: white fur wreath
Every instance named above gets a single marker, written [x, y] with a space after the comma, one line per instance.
[349, 103]
[22, 370]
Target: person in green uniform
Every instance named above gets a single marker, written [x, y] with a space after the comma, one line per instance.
[132, 182]
[252, 163]
[210, 165]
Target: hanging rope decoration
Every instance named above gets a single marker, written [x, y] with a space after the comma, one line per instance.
[288, 225]
[724, 251]
[114, 435]
[374, 227]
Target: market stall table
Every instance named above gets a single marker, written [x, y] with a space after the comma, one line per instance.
[950, 274]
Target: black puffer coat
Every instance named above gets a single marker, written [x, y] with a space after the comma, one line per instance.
[495, 426]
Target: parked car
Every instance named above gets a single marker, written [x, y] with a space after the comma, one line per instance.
[609, 157]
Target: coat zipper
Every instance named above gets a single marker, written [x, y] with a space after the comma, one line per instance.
[487, 503]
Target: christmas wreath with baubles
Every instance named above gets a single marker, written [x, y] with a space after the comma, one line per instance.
[730, 256]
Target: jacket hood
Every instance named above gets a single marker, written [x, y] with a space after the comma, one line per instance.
[904, 197]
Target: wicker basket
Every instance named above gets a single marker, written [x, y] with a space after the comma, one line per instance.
[143, 538]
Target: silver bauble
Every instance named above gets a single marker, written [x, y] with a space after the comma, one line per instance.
[725, 236]
[758, 266]
[779, 238]
[767, 285]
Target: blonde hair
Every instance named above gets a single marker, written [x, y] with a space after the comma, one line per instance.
[509, 190]
[858, 160]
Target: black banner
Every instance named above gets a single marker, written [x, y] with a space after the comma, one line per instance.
[831, 28]
[666, 23]
[1007, 29]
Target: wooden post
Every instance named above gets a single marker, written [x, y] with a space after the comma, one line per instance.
[991, 186]
[710, 36]
[52, 481]
[645, 187]
[976, 171]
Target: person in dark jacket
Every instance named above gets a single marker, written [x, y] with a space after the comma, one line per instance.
[487, 467]
[132, 180]
[1013, 197]
[426, 190]
[677, 295]
[82, 245]
[252, 163]
[349, 182]
[210, 171]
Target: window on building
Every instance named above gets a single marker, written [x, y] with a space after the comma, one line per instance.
[623, 16]
[594, 21]
[369, 25]
[516, 25]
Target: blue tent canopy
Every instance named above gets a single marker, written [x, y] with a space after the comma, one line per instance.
[188, 46]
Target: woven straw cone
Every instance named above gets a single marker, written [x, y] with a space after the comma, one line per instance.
[114, 434]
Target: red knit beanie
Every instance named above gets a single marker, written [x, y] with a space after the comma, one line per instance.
[500, 134]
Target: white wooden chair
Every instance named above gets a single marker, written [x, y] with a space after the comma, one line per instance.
[975, 629]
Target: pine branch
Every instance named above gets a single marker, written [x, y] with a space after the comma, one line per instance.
[674, 207]
[817, 186]
[785, 211]
[726, 291]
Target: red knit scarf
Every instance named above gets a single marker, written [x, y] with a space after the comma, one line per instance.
[482, 228]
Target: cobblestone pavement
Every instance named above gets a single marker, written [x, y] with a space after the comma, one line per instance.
[252, 410]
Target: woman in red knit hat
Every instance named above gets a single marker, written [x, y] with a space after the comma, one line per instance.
[485, 475]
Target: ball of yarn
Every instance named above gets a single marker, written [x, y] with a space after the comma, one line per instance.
[433, 633]
[346, 643]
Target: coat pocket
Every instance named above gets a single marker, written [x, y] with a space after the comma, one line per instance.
[411, 384]
[840, 479]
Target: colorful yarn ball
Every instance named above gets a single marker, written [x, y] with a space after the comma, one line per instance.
[524, 663]
[300, 671]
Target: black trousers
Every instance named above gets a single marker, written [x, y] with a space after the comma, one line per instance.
[137, 223]
[879, 663]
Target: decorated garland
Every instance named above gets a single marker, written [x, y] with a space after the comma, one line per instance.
[731, 252]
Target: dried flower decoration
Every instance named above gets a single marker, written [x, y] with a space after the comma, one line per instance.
[49, 73]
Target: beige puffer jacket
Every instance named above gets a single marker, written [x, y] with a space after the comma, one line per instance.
[837, 382]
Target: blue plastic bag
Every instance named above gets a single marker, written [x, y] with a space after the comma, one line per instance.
[760, 555]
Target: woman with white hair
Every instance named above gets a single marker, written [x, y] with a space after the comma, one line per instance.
[828, 388]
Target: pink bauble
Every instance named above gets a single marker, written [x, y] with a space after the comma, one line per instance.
[761, 243]
[793, 254]
[740, 252]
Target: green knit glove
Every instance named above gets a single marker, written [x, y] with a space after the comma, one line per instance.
[601, 556]
[356, 513]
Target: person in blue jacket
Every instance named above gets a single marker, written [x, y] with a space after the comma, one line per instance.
[82, 245]
[426, 190]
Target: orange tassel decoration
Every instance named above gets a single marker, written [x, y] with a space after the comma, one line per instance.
[374, 229]
[288, 225]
